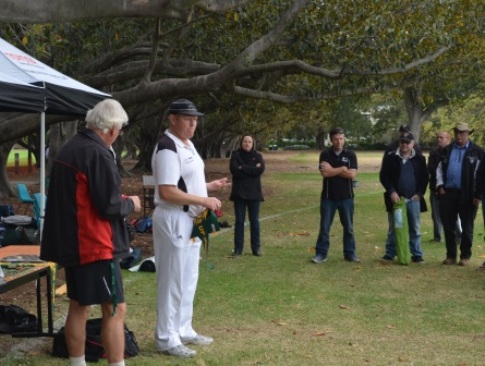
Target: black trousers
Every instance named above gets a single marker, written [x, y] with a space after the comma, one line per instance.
[450, 207]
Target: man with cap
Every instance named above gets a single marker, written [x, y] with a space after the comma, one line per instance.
[181, 195]
[403, 174]
[459, 191]
[393, 146]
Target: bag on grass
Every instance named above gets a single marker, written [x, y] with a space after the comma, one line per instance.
[94, 349]
[143, 225]
[401, 231]
[14, 319]
[132, 259]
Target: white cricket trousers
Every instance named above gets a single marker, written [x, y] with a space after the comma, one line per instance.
[177, 260]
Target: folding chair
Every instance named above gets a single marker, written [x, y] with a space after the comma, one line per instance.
[24, 196]
[37, 212]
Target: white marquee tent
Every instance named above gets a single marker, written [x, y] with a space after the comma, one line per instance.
[28, 85]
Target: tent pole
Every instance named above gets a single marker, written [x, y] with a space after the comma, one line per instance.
[42, 172]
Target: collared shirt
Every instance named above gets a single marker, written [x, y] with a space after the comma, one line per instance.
[453, 174]
[407, 179]
[404, 160]
[177, 164]
[338, 188]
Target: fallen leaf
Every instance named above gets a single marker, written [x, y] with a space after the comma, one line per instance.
[345, 307]
[279, 322]
[319, 334]
[300, 233]
[391, 326]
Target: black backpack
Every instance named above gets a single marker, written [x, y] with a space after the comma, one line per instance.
[94, 347]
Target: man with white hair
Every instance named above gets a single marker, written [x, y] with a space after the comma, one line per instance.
[85, 233]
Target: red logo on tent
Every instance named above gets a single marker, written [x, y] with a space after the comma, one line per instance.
[20, 58]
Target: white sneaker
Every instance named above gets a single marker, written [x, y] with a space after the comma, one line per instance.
[180, 351]
[199, 339]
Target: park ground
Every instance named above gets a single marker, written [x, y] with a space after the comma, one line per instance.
[287, 314]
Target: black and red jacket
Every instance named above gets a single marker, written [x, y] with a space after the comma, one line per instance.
[85, 210]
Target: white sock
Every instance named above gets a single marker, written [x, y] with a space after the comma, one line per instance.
[121, 363]
[77, 361]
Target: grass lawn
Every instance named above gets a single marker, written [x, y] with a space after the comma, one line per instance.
[281, 309]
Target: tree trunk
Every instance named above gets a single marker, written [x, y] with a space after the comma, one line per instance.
[59, 134]
[6, 189]
[320, 138]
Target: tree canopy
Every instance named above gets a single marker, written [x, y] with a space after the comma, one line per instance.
[250, 65]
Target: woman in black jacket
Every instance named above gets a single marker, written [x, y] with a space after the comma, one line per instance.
[246, 167]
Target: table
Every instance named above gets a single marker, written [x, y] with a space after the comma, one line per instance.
[25, 272]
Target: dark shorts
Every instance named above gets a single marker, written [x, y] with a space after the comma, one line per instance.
[95, 283]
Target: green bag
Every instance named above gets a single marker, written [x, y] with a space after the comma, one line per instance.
[205, 224]
[402, 232]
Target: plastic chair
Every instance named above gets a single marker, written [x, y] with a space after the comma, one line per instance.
[37, 212]
[24, 196]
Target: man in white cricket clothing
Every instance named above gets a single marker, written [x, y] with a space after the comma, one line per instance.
[181, 195]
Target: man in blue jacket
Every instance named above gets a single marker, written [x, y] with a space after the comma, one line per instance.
[459, 192]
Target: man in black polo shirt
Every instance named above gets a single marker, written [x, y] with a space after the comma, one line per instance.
[338, 167]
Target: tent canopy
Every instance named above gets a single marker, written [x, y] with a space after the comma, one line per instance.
[17, 96]
[28, 85]
[63, 95]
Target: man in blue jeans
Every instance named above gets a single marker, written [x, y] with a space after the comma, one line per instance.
[404, 174]
[338, 167]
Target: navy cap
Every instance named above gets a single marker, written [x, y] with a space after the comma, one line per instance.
[185, 107]
[407, 136]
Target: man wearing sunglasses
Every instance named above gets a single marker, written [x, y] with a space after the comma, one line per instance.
[404, 174]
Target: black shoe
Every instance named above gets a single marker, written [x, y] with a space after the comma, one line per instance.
[257, 254]
[386, 259]
[236, 254]
[417, 259]
[354, 259]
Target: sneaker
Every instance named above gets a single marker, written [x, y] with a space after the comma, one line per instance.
[180, 351]
[449, 261]
[464, 262]
[319, 259]
[354, 259]
[199, 339]
[417, 259]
